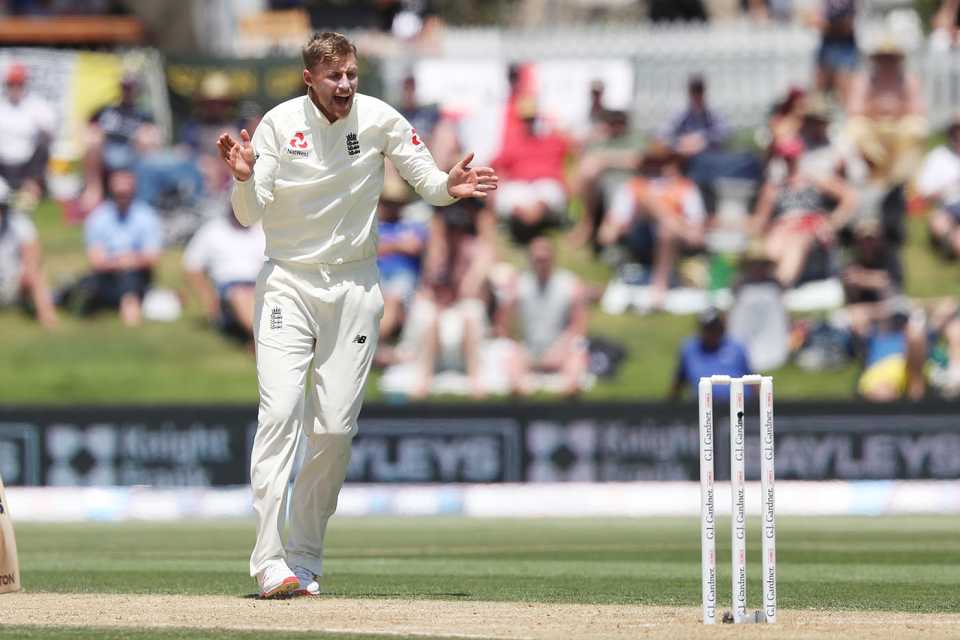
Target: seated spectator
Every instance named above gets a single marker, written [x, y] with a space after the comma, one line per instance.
[533, 192]
[221, 263]
[938, 182]
[656, 216]
[874, 273]
[938, 349]
[608, 160]
[444, 346]
[124, 239]
[893, 349]
[699, 135]
[461, 244]
[27, 128]
[441, 341]
[188, 180]
[758, 319]
[553, 320]
[711, 352]
[401, 247]
[795, 214]
[22, 280]
[116, 135]
[214, 110]
[820, 158]
[887, 115]
[697, 128]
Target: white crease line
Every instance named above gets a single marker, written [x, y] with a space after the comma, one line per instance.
[422, 634]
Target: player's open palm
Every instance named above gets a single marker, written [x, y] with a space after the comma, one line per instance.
[465, 181]
[239, 156]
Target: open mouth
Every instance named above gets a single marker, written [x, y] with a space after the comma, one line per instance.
[342, 101]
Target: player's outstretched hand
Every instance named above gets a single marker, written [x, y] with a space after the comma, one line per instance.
[238, 155]
[465, 181]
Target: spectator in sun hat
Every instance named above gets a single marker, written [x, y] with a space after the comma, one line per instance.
[22, 280]
[758, 318]
[710, 352]
[888, 120]
[820, 158]
[27, 124]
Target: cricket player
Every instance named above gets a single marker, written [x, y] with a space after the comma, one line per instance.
[313, 173]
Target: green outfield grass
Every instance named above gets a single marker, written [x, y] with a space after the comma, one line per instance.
[891, 564]
[99, 360]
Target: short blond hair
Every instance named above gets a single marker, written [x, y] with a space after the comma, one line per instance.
[326, 46]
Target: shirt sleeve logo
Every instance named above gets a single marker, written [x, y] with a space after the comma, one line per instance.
[353, 144]
[414, 139]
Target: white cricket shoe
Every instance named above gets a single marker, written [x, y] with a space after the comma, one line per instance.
[277, 581]
[308, 585]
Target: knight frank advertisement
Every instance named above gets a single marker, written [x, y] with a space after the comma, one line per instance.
[191, 446]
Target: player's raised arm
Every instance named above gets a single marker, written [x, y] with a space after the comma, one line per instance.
[415, 164]
[253, 163]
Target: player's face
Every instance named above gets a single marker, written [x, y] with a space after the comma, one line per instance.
[334, 85]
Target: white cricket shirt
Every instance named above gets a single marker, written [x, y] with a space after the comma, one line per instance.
[21, 126]
[226, 252]
[316, 184]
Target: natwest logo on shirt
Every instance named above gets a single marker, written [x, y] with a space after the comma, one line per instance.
[298, 145]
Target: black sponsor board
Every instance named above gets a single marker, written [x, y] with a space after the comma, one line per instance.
[210, 446]
[102, 446]
[437, 450]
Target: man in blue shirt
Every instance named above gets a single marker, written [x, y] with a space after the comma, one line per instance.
[697, 128]
[124, 238]
[711, 352]
[698, 134]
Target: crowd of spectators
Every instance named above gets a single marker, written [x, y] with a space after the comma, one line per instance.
[475, 302]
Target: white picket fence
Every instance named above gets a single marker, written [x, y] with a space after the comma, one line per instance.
[747, 66]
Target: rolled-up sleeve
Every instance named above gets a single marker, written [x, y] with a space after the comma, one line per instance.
[251, 197]
[414, 162]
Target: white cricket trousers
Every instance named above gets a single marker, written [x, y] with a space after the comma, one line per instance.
[316, 330]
